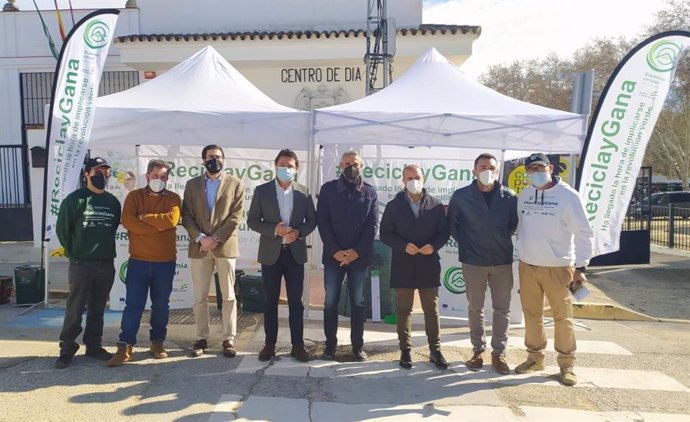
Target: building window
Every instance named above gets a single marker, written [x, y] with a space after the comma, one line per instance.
[37, 88]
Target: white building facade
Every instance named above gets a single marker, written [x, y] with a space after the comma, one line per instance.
[302, 53]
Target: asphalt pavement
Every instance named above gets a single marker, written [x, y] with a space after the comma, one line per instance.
[629, 370]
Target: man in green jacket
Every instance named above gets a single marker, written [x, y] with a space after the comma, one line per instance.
[86, 226]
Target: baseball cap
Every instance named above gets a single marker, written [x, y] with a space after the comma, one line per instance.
[95, 162]
[537, 158]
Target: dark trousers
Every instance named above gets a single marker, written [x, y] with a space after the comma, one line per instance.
[89, 286]
[333, 276]
[294, 283]
[144, 277]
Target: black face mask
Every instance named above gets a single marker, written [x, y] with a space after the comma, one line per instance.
[351, 173]
[213, 165]
[99, 181]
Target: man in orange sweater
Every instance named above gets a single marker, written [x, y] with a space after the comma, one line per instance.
[150, 215]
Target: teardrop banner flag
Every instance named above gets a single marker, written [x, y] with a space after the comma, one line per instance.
[620, 130]
[72, 109]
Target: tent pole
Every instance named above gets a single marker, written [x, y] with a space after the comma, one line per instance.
[311, 167]
[500, 165]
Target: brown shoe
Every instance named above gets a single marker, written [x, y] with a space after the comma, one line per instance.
[299, 353]
[500, 365]
[199, 348]
[267, 352]
[228, 349]
[123, 354]
[476, 363]
[158, 350]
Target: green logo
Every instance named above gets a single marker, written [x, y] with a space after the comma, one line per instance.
[453, 280]
[663, 56]
[122, 273]
[96, 34]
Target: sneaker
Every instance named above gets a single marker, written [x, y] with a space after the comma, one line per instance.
[568, 377]
[328, 354]
[199, 348]
[63, 361]
[123, 354]
[299, 353]
[228, 349]
[359, 354]
[158, 350]
[437, 358]
[267, 352]
[476, 362]
[529, 366]
[98, 353]
[405, 359]
[500, 365]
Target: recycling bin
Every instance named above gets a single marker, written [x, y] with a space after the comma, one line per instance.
[29, 284]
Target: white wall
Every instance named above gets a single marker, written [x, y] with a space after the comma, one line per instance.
[264, 15]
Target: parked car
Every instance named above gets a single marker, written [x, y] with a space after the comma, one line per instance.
[660, 202]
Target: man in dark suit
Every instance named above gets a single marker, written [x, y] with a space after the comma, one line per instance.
[211, 213]
[282, 211]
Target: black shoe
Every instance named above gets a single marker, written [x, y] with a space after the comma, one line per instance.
[437, 358]
[199, 348]
[328, 354]
[98, 353]
[405, 359]
[63, 361]
[359, 354]
[299, 353]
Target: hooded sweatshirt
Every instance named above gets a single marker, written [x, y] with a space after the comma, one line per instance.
[553, 230]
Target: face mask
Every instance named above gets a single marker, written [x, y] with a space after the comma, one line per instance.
[285, 174]
[414, 186]
[99, 181]
[487, 177]
[213, 165]
[156, 185]
[351, 172]
[538, 179]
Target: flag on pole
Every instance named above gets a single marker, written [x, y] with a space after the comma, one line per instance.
[59, 20]
[72, 108]
[51, 44]
[620, 130]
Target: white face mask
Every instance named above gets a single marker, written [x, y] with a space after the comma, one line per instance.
[414, 186]
[156, 185]
[487, 177]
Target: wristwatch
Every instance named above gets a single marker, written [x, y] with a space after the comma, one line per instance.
[582, 269]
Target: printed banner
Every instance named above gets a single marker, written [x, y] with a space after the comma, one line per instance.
[252, 166]
[75, 88]
[620, 130]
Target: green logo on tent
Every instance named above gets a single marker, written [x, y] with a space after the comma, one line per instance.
[122, 273]
[454, 281]
[663, 56]
[96, 34]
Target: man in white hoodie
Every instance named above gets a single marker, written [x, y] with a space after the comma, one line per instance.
[554, 244]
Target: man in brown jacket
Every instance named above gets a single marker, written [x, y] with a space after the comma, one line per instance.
[211, 214]
[150, 215]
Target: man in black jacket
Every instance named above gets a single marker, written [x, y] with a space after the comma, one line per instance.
[482, 217]
[414, 226]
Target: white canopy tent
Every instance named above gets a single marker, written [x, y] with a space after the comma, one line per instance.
[435, 104]
[203, 100]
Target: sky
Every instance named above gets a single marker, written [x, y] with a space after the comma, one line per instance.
[511, 29]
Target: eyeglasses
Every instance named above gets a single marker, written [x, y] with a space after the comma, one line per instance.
[536, 169]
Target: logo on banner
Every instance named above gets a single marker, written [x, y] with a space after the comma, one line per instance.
[454, 281]
[662, 56]
[96, 34]
[122, 273]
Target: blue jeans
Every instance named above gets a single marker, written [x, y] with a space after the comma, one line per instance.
[333, 276]
[142, 277]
